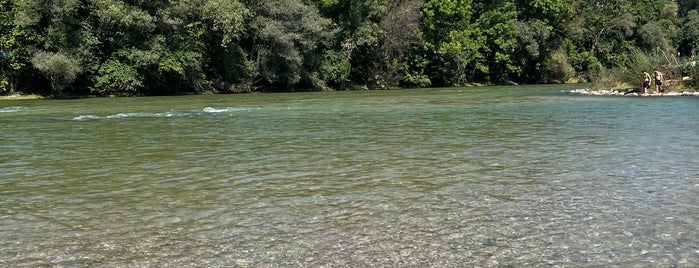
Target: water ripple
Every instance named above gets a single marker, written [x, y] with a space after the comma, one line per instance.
[412, 178]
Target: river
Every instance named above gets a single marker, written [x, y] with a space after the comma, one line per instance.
[458, 177]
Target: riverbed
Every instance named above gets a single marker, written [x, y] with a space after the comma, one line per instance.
[461, 177]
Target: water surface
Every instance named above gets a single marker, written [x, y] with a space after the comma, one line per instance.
[516, 176]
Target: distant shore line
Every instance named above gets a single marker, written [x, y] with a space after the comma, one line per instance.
[578, 91]
[586, 91]
[19, 96]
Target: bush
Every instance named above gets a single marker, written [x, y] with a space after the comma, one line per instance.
[60, 69]
[637, 63]
[335, 69]
[629, 74]
[117, 78]
[557, 68]
[691, 69]
[586, 64]
[4, 84]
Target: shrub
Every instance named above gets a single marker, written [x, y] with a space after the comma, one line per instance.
[691, 69]
[117, 78]
[629, 74]
[335, 69]
[60, 69]
[557, 68]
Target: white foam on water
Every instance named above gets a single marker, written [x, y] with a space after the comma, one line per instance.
[170, 114]
[223, 110]
[85, 117]
[134, 115]
[10, 109]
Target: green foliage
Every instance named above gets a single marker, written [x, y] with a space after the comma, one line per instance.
[227, 17]
[400, 28]
[448, 30]
[142, 47]
[654, 35]
[335, 69]
[548, 11]
[59, 68]
[229, 68]
[117, 78]
[534, 44]
[416, 65]
[607, 26]
[6, 42]
[464, 47]
[440, 17]
[119, 17]
[646, 11]
[586, 63]
[685, 6]
[499, 26]
[629, 73]
[286, 34]
[557, 68]
[689, 43]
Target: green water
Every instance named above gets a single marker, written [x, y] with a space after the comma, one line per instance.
[490, 177]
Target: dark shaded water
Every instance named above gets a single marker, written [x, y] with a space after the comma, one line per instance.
[444, 177]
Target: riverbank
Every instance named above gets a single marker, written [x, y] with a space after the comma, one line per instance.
[585, 91]
[21, 97]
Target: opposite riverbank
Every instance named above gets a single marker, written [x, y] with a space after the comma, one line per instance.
[21, 97]
[585, 91]
[579, 91]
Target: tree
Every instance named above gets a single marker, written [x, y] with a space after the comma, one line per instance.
[687, 5]
[689, 44]
[60, 36]
[542, 28]
[659, 34]
[226, 18]
[287, 36]
[465, 46]
[137, 47]
[455, 42]
[654, 35]
[126, 33]
[117, 78]
[9, 65]
[399, 29]
[533, 49]
[557, 68]
[645, 11]
[381, 38]
[550, 12]
[59, 68]
[498, 24]
[607, 27]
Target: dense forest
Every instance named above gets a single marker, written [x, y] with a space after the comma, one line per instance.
[155, 47]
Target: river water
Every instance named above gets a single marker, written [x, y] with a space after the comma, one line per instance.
[463, 177]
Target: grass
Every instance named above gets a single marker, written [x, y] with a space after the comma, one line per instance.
[629, 74]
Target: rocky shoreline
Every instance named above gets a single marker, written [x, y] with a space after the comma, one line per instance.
[585, 91]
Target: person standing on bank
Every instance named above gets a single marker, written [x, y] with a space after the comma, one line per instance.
[658, 81]
[646, 82]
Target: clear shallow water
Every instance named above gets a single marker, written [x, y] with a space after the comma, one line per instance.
[445, 177]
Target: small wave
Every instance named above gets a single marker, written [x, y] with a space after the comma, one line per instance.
[134, 115]
[10, 109]
[174, 114]
[223, 110]
[85, 117]
[153, 115]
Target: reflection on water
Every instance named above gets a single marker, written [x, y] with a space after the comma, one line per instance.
[455, 177]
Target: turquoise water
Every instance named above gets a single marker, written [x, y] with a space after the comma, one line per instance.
[490, 177]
